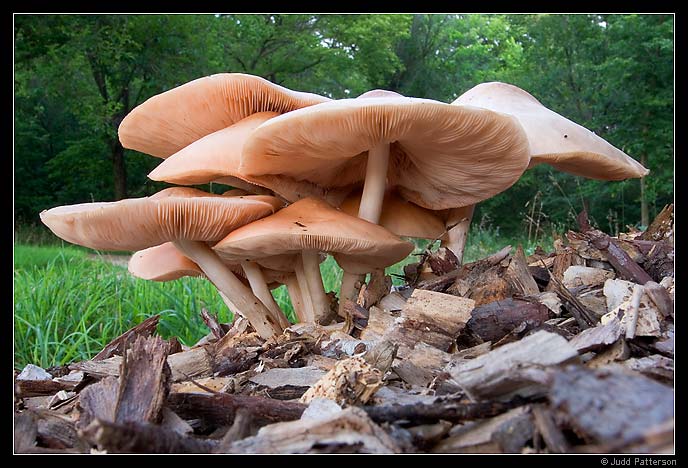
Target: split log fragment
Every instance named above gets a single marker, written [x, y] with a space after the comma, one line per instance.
[350, 382]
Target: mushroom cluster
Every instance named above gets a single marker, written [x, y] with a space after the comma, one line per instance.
[315, 176]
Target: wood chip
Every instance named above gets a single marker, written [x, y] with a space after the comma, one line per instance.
[578, 275]
[495, 374]
[350, 382]
[627, 404]
[596, 338]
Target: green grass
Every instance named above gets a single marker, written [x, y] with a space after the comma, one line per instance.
[67, 306]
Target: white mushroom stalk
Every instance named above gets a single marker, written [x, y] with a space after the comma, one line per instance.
[246, 303]
[181, 216]
[259, 287]
[458, 224]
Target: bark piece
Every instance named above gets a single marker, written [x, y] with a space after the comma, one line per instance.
[122, 342]
[378, 286]
[58, 431]
[660, 261]
[219, 409]
[382, 355]
[662, 227]
[518, 276]
[287, 383]
[619, 299]
[619, 351]
[211, 322]
[25, 432]
[665, 344]
[594, 301]
[596, 338]
[627, 404]
[546, 426]
[106, 368]
[578, 275]
[144, 381]
[138, 437]
[656, 367]
[506, 433]
[209, 385]
[661, 298]
[563, 262]
[433, 318]
[495, 374]
[350, 382]
[548, 299]
[392, 302]
[450, 409]
[624, 265]
[32, 372]
[422, 365]
[340, 345]
[196, 362]
[442, 261]
[346, 431]
[493, 321]
[98, 401]
[32, 388]
[476, 268]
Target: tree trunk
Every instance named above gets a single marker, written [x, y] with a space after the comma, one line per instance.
[119, 171]
[644, 211]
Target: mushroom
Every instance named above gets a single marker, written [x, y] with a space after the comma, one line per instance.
[436, 155]
[304, 229]
[166, 263]
[216, 158]
[406, 219]
[187, 221]
[169, 121]
[554, 139]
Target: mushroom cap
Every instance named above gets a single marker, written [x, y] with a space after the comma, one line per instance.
[311, 224]
[554, 139]
[401, 217]
[216, 158]
[169, 121]
[139, 223]
[165, 262]
[441, 156]
[162, 262]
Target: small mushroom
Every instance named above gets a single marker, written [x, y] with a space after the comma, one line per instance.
[187, 221]
[169, 121]
[304, 229]
[554, 139]
[166, 263]
[401, 217]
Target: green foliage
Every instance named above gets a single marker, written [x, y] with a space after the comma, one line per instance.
[76, 76]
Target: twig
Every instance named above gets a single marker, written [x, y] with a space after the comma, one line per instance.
[632, 312]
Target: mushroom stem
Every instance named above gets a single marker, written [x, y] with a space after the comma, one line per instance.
[308, 313]
[222, 277]
[458, 224]
[311, 269]
[349, 291]
[375, 183]
[261, 290]
[369, 209]
[295, 296]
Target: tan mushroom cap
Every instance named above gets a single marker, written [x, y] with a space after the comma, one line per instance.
[169, 121]
[139, 223]
[162, 263]
[441, 156]
[311, 224]
[216, 158]
[554, 139]
[165, 262]
[401, 217]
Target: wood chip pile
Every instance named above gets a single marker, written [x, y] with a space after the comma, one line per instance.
[570, 351]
